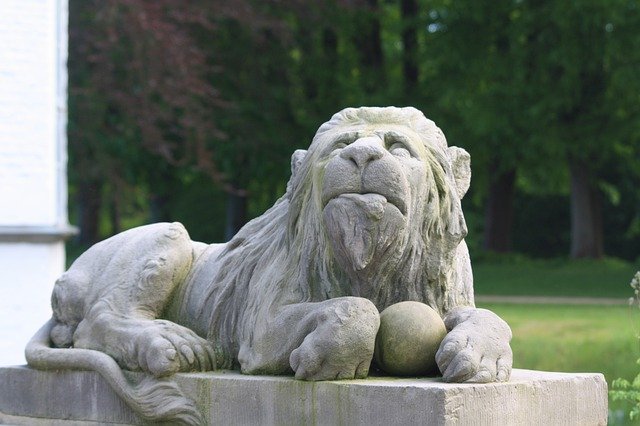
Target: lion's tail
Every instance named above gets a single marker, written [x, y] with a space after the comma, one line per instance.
[154, 399]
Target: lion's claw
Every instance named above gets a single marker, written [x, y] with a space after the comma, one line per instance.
[165, 348]
[305, 361]
[477, 349]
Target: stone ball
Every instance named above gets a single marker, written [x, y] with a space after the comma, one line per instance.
[408, 339]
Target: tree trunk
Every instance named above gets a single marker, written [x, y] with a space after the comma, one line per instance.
[373, 45]
[330, 44]
[158, 208]
[114, 214]
[89, 205]
[586, 213]
[236, 214]
[498, 219]
[368, 40]
[409, 12]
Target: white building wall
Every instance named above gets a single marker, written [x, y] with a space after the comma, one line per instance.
[33, 191]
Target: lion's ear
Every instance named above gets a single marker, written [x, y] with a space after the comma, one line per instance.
[461, 167]
[296, 159]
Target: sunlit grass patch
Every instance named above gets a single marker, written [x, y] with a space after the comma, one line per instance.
[575, 338]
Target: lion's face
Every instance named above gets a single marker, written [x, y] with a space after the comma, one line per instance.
[377, 195]
[370, 180]
[384, 160]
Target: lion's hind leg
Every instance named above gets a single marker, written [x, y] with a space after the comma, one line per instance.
[166, 347]
[128, 295]
[156, 346]
[67, 303]
[156, 400]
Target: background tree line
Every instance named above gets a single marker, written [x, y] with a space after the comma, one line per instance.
[190, 111]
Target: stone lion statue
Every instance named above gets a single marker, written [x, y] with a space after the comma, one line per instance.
[371, 217]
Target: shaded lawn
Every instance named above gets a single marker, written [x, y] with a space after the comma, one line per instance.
[572, 338]
[516, 276]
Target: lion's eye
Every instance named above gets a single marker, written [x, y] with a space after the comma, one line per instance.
[340, 145]
[399, 151]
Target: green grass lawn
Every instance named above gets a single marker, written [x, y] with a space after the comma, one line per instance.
[569, 338]
[572, 338]
[516, 276]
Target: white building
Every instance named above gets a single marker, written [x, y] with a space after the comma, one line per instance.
[33, 159]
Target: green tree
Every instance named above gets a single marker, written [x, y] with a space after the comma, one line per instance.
[482, 67]
[146, 116]
[587, 54]
[205, 103]
[139, 105]
[537, 90]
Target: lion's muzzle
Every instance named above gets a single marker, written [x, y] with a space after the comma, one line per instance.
[366, 167]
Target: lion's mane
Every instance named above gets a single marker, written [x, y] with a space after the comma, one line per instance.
[284, 255]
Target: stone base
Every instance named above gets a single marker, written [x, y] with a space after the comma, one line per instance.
[33, 397]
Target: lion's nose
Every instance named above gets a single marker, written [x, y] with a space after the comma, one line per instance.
[363, 151]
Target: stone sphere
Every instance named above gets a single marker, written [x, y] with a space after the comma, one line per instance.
[408, 339]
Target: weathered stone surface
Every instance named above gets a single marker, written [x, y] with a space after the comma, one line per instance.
[31, 397]
[409, 336]
[371, 217]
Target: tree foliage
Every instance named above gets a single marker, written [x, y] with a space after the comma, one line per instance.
[190, 112]
[537, 91]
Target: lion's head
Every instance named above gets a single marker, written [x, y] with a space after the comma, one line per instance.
[372, 209]
[377, 199]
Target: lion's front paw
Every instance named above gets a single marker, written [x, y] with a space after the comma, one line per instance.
[341, 346]
[476, 350]
[165, 348]
[318, 360]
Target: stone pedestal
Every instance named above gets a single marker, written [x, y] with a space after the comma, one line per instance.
[33, 397]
